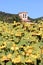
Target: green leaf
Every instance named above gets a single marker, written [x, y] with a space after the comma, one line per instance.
[9, 44]
[22, 59]
[1, 42]
[9, 63]
[23, 42]
[14, 54]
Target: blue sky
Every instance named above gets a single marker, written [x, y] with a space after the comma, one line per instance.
[33, 7]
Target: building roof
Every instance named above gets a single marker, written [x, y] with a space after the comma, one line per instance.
[22, 12]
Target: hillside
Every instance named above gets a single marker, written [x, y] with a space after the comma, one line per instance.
[7, 17]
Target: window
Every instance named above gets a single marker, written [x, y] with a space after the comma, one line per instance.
[23, 15]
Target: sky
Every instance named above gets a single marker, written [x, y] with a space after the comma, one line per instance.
[33, 7]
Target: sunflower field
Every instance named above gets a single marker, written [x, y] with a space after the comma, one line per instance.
[21, 43]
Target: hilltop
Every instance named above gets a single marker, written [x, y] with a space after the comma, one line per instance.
[8, 17]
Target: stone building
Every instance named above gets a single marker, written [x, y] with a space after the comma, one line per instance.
[24, 16]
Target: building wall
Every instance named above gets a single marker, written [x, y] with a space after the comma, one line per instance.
[23, 16]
